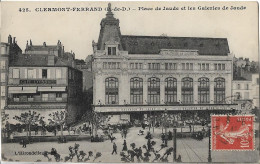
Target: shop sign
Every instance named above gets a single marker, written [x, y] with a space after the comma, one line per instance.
[162, 108]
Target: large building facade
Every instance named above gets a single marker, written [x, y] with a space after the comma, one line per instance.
[134, 75]
[43, 80]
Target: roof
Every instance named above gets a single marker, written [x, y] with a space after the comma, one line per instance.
[153, 44]
[37, 60]
[42, 48]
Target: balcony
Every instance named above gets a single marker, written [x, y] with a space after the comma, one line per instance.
[36, 100]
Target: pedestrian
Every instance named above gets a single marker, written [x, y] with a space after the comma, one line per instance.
[11, 137]
[170, 135]
[163, 138]
[140, 153]
[122, 133]
[114, 148]
[178, 159]
[55, 132]
[190, 127]
[124, 146]
[69, 130]
[24, 143]
[149, 146]
[36, 130]
[166, 140]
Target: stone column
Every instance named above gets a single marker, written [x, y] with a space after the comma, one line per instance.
[162, 91]
[195, 91]
[145, 91]
[179, 90]
[211, 91]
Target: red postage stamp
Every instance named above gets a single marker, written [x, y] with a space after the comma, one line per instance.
[232, 132]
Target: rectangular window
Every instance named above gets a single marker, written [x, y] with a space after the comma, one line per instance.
[223, 66]
[16, 73]
[166, 66]
[183, 66]
[132, 65]
[203, 67]
[246, 96]
[16, 98]
[2, 64]
[140, 66]
[247, 86]
[2, 77]
[207, 66]
[118, 65]
[238, 95]
[219, 66]
[199, 66]
[31, 73]
[45, 97]
[238, 86]
[187, 66]
[111, 50]
[191, 66]
[30, 98]
[44, 73]
[149, 65]
[215, 66]
[105, 65]
[58, 73]
[2, 90]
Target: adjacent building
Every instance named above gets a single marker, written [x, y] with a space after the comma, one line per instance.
[255, 89]
[8, 52]
[43, 80]
[136, 76]
[242, 93]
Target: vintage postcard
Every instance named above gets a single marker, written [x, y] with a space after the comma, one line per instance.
[121, 82]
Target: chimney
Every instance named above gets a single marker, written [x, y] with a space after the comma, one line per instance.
[44, 44]
[10, 39]
[30, 42]
[14, 40]
[26, 46]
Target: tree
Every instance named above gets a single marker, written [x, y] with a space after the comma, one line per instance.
[29, 119]
[98, 119]
[58, 118]
[4, 118]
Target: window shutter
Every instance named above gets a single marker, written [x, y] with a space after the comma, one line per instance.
[40, 73]
[25, 73]
[34, 73]
[48, 73]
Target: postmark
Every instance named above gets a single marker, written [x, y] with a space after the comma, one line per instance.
[232, 132]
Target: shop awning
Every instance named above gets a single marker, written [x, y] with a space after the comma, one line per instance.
[22, 89]
[61, 89]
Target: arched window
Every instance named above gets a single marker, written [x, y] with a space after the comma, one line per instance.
[187, 90]
[153, 90]
[170, 90]
[219, 90]
[203, 91]
[111, 90]
[136, 90]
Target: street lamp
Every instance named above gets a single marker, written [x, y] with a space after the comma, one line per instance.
[174, 142]
[209, 154]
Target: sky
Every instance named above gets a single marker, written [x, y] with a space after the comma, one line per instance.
[77, 29]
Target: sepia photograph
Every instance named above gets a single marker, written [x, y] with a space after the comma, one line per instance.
[129, 82]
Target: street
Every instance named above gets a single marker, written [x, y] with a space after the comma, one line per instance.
[190, 150]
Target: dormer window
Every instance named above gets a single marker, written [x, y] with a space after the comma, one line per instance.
[111, 50]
